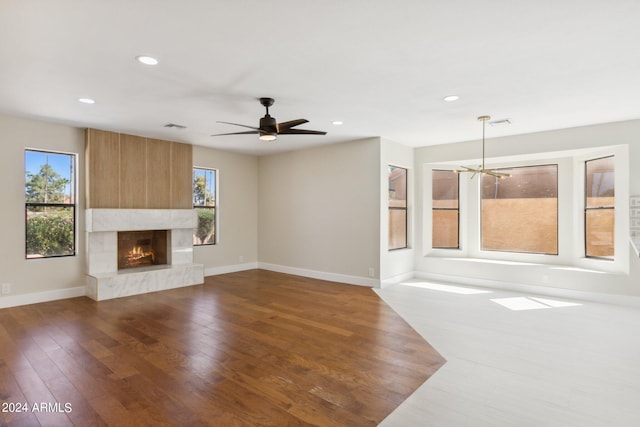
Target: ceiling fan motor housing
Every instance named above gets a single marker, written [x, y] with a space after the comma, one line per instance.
[268, 123]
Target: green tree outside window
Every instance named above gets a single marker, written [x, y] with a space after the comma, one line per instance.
[49, 204]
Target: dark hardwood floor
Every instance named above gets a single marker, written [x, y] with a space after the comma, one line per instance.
[244, 349]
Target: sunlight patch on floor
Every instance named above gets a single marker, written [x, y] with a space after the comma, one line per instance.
[446, 288]
[531, 303]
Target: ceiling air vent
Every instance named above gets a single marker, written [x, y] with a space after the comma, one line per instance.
[175, 126]
[502, 122]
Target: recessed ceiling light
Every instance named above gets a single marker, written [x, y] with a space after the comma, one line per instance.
[451, 98]
[147, 60]
[337, 122]
[87, 100]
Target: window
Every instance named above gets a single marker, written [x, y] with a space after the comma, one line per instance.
[599, 207]
[445, 209]
[50, 204]
[520, 212]
[397, 208]
[204, 202]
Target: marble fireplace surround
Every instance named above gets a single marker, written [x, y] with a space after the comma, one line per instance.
[105, 281]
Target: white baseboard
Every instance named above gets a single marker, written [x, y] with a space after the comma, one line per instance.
[321, 275]
[396, 279]
[214, 271]
[36, 297]
[624, 300]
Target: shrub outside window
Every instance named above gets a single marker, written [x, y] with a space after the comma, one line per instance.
[445, 209]
[397, 208]
[204, 202]
[520, 212]
[599, 210]
[50, 204]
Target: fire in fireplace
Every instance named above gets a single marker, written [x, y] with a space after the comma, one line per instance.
[142, 248]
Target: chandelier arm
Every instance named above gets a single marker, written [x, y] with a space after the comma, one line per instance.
[482, 170]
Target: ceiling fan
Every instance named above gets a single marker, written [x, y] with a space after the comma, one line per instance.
[269, 129]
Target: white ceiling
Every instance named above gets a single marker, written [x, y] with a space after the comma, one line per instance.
[382, 67]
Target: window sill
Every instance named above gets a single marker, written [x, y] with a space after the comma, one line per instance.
[399, 250]
[486, 261]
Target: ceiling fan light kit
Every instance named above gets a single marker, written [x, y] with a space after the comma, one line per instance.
[269, 129]
[482, 170]
[267, 137]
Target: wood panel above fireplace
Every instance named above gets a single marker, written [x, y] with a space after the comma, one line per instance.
[134, 172]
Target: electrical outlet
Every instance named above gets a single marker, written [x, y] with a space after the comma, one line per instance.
[241, 258]
[6, 288]
[371, 272]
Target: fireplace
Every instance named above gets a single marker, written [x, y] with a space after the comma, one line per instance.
[142, 248]
[109, 231]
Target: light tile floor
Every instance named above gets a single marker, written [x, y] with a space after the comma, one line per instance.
[520, 362]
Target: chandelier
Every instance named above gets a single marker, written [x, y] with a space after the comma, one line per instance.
[481, 169]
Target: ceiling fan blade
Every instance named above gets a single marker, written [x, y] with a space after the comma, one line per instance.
[291, 123]
[301, 132]
[244, 126]
[238, 133]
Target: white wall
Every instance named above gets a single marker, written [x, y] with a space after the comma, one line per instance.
[58, 277]
[397, 264]
[506, 269]
[319, 211]
[237, 246]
